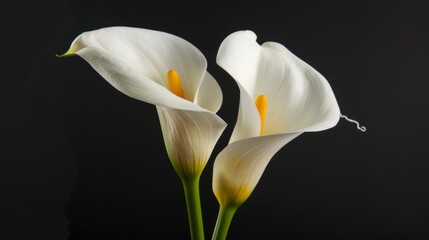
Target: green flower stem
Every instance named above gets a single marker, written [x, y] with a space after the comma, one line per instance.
[195, 217]
[223, 221]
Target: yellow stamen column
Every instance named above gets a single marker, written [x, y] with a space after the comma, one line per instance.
[174, 83]
[261, 104]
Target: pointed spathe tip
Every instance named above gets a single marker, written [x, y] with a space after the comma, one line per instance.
[69, 53]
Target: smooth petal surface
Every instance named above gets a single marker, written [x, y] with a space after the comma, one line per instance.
[299, 98]
[239, 55]
[209, 95]
[248, 120]
[238, 167]
[136, 61]
[189, 138]
[296, 99]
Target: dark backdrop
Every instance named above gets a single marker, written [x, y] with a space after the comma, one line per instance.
[80, 160]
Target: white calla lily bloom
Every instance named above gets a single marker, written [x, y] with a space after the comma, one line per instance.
[281, 97]
[169, 72]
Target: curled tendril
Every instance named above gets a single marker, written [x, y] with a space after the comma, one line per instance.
[358, 126]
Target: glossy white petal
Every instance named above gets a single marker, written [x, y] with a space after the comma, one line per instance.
[189, 138]
[299, 98]
[238, 167]
[209, 95]
[239, 54]
[248, 121]
[136, 62]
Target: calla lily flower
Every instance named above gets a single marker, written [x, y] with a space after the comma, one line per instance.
[166, 71]
[281, 97]
[170, 73]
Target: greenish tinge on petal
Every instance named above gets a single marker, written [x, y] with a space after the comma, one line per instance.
[136, 62]
[239, 166]
[69, 53]
[189, 138]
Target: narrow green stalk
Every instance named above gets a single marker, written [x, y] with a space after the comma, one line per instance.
[195, 216]
[223, 221]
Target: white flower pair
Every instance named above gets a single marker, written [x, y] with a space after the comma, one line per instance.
[280, 97]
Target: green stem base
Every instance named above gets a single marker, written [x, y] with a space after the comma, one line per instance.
[195, 217]
[223, 221]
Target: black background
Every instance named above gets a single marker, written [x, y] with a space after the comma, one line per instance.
[80, 160]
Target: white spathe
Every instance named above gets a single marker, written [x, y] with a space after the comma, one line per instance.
[300, 100]
[136, 61]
